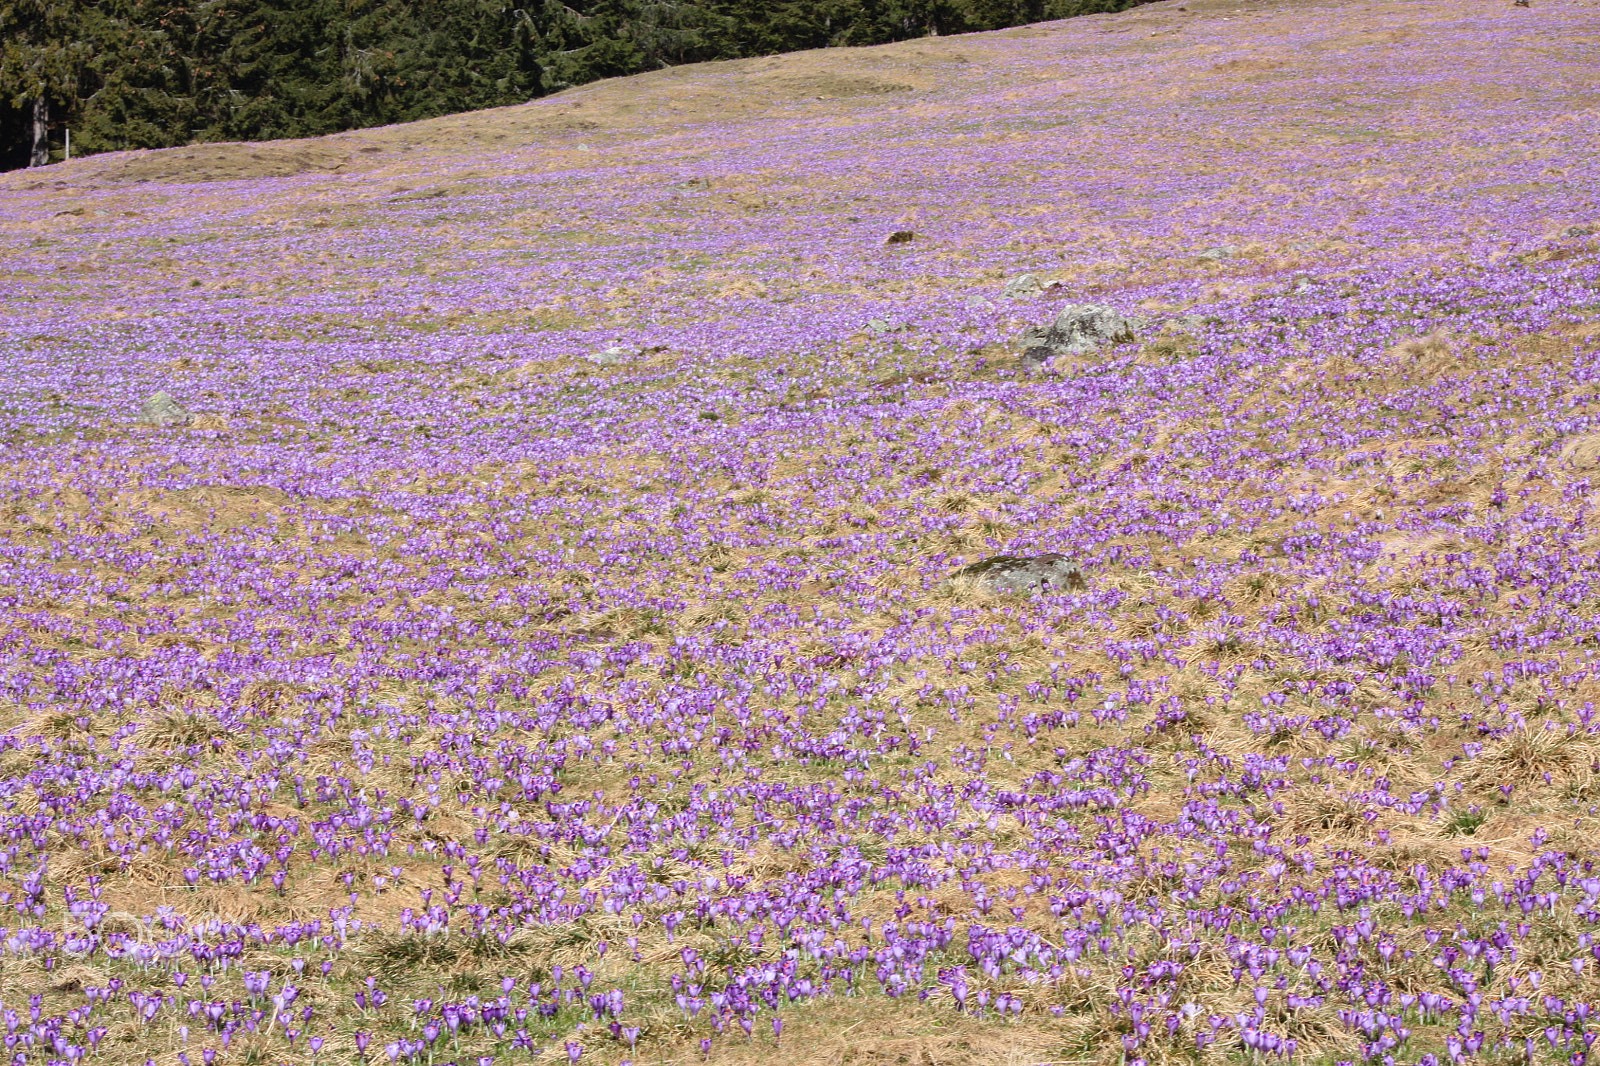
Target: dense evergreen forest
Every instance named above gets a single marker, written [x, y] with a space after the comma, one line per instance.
[157, 73]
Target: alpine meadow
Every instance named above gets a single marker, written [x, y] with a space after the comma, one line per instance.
[1074, 545]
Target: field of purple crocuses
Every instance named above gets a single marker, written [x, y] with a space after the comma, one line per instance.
[533, 631]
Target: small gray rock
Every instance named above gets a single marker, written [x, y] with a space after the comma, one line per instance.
[1579, 231]
[613, 356]
[1022, 287]
[160, 409]
[1027, 286]
[1217, 252]
[882, 325]
[1050, 572]
[1077, 330]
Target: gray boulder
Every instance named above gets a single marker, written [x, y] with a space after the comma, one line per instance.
[1077, 330]
[160, 409]
[1217, 252]
[1026, 573]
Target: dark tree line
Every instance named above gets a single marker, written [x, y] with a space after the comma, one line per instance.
[158, 73]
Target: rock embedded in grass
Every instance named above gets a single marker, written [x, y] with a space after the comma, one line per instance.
[1078, 330]
[615, 356]
[160, 409]
[1022, 287]
[1026, 573]
[1185, 323]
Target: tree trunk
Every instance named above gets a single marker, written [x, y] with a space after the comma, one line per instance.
[40, 155]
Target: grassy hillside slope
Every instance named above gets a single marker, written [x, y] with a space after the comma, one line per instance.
[447, 690]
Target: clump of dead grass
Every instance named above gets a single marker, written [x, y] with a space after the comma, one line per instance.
[1544, 753]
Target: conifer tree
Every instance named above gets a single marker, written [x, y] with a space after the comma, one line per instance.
[42, 49]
